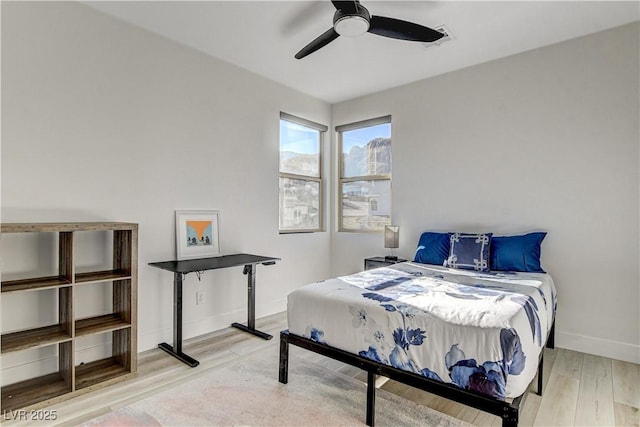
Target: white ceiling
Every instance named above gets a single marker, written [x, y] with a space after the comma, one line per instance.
[263, 36]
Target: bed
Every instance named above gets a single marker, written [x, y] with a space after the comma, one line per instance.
[476, 337]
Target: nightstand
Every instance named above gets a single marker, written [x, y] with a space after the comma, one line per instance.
[380, 261]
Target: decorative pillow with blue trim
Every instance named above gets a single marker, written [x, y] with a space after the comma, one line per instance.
[517, 253]
[433, 248]
[469, 251]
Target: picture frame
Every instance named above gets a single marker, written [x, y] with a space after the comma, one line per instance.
[197, 234]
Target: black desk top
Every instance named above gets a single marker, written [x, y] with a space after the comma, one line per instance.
[212, 263]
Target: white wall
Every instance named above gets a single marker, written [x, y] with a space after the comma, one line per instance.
[544, 140]
[104, 121]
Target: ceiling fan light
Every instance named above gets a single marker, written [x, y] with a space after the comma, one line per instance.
[351, 26]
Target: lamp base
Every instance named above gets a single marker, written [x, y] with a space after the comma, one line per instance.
[391, 258]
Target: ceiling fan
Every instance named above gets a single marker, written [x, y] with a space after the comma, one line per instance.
[352, 19]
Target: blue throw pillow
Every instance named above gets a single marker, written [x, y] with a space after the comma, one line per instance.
[433, 248]
[469, 251]
[517, 253]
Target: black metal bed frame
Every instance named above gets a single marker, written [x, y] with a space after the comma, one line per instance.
[508, 411]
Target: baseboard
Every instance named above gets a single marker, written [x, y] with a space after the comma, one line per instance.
[599, 347]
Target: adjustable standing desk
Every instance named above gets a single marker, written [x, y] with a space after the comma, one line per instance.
[183, 267]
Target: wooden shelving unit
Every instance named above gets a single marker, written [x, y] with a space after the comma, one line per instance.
[72, 378]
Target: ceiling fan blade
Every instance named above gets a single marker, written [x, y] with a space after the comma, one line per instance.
[320, 41]
[403, 30]
[346, 6]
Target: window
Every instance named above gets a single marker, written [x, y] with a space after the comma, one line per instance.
[300, 174]
[365, 175]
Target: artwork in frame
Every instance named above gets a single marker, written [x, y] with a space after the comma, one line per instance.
[197, 233]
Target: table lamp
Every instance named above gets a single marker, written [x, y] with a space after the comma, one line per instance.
[391, 240]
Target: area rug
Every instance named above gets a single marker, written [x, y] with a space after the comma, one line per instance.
[247, 393]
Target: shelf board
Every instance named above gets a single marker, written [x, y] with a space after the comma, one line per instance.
[100, 324]
[19, 227]
[98, 371]
[102, 276]
[37, 337]
[34, 390]
[35, 283]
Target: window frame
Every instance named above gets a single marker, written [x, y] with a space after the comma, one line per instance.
[377, 177]
[322, 129]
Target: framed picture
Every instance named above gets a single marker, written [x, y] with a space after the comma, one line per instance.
[197, 233]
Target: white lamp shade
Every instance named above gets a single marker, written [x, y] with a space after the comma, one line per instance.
[391, 236]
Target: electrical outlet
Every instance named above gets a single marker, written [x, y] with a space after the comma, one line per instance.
[199, 297]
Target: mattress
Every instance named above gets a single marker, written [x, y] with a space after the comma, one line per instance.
[479, 331]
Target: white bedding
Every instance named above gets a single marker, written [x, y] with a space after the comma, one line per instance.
[480, 331]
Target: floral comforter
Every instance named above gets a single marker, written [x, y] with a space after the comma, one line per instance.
[479, 331]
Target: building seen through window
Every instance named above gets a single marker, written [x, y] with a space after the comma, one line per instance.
[365, 175]
[300, 200]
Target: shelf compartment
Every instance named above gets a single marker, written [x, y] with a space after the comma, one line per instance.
[37, 337]
[35, 283]
[59, 332]
[44, 387]
[100, 324]
[99, 371]
[34, 390]
[102, 276]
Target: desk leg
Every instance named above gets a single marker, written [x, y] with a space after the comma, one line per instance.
[250, 271]
[176, 350]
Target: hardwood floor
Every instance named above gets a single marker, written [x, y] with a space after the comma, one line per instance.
[579, 389]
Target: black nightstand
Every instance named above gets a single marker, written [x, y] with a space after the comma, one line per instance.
[380, 261]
